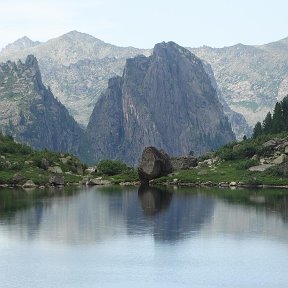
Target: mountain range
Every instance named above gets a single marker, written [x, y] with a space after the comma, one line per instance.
[77, 67]
[167, 100]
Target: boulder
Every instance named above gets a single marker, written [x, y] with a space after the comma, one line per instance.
[281, 159]
[90, 170]
[29, 184]
[183, 162]
[260, 168]
[79, 169]
[55, 169]
[56, 180]
[18, 178]
[98, 181]
[271, 143]
[154, 164]
[286, 149]
[233, 183]
[45, 163]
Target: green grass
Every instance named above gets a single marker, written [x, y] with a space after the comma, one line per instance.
[227, 171]
[127, 176]
[14, 155]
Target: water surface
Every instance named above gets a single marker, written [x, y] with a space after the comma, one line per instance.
[125, 237]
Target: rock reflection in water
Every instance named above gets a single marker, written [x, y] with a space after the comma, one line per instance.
[177, 218]
[154, 200]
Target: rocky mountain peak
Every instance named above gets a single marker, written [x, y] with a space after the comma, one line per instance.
[168, 49]
[31, 113]
[20, 44]
[165, 100]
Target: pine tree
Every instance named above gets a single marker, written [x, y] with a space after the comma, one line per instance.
[257, 130]
[285, 113]
[277, 123]
[267, 124]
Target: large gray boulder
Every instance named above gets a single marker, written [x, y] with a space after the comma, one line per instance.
[183, 162]
[154, 164]
[56, 180]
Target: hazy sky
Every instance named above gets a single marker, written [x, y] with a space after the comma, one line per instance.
[215, 23]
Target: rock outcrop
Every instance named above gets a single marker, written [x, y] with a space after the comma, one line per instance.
[56, 180]
[165, 100]
[154, 164]
[76, 66]
[183, 162]
[31, 113]
[251, 78]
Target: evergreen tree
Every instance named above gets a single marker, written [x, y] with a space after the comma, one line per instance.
[257, 130]
[267, 124]
[285, 113]
[277, 123]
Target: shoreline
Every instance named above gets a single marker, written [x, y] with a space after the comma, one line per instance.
[208, 184]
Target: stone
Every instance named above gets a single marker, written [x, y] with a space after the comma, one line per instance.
[64, 160]
[79, 169]
[56, 180]
[90, 170]
[18, 178]
[208, 162]
[233, 183]
[279, 160]
[260, 168]
[3, 157]
[271, 143]
[286, 149]
[55, 169]
[154, 164]
[45, 163]
[29, 162]
[97, 181]
[236, 147]
[29, 184]
[183, 162]
[255, 157]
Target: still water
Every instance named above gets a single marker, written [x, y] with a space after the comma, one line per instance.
[122, 237]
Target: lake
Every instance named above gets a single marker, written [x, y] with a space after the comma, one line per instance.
[125, 237]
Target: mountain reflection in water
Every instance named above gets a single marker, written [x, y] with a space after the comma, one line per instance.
[97, 214]
[177, 219]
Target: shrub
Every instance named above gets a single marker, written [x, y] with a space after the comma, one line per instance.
[111, 167]
[247, 164]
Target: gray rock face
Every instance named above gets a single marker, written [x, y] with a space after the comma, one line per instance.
[251, 78]
[56, 180]
[31, 113]
[154, 164]
[238, 123]
[165, 100]
[76, 66]
[183, 162]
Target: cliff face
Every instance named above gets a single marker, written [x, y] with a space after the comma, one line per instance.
[165, 100]
[238, 123]
[30, 112]
[76, 66]
[251, 78]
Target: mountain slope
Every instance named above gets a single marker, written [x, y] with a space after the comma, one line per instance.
[30, 112]
[251, 78]
[76, 66]
[165, 100]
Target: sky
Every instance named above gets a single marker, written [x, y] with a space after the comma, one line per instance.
[141, 23]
